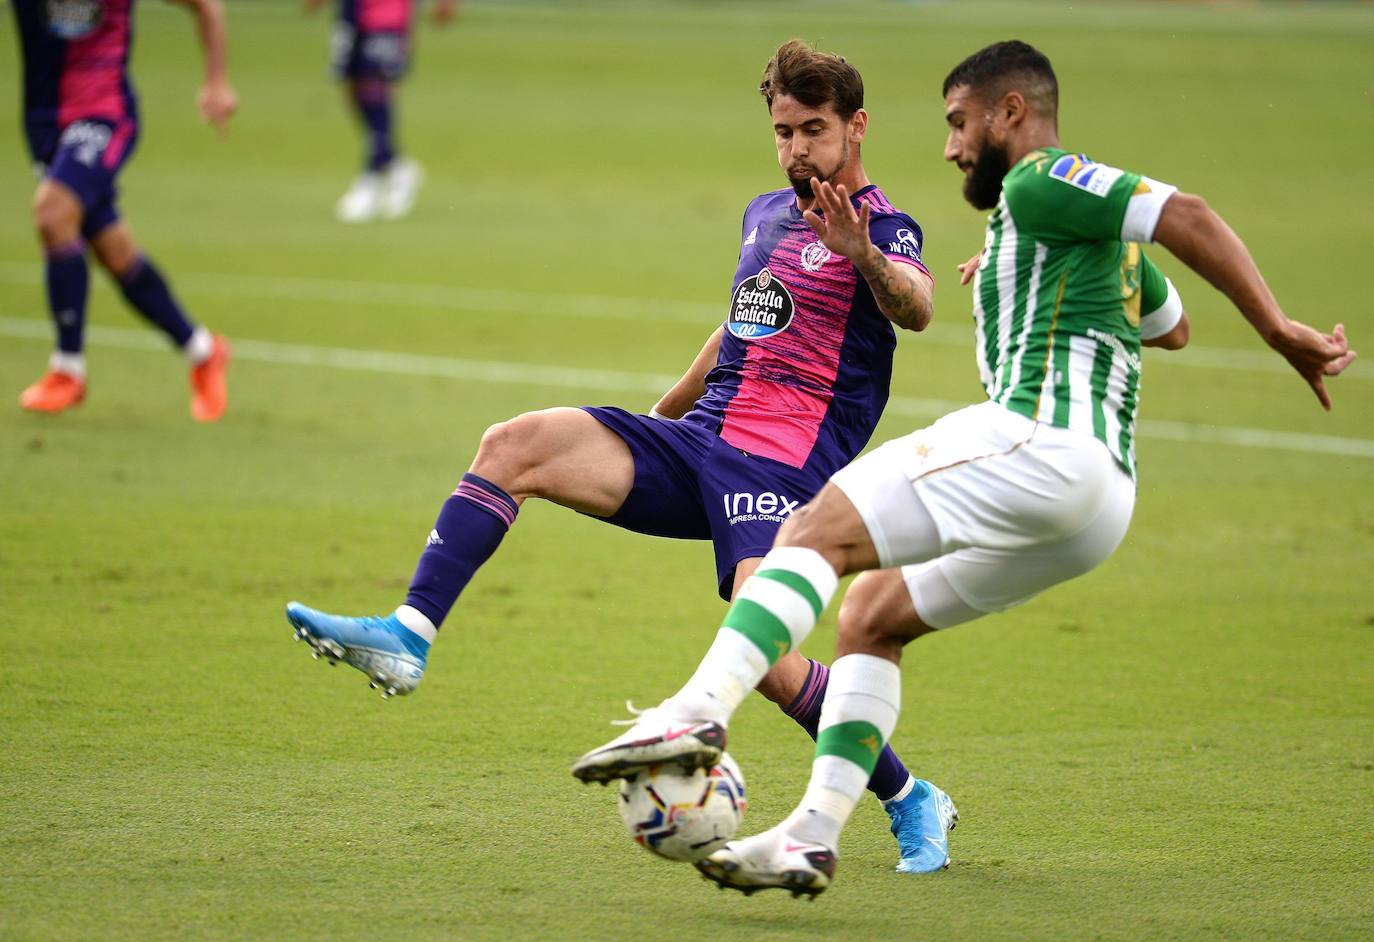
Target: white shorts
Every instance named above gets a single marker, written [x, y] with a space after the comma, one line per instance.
[986, 509]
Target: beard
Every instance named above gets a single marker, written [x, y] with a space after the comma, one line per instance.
[800, 175]
[983, 185]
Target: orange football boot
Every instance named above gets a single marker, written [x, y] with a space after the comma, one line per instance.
[209, 394]
[55, 392]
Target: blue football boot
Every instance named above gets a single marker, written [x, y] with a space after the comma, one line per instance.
[390, 654]
[921, 822]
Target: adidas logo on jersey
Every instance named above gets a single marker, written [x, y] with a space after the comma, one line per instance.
[753, 236]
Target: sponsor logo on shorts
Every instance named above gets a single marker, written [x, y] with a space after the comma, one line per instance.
[762, 306]
[1080, 171]
[88, 140]
[744, 507]
[814, 256]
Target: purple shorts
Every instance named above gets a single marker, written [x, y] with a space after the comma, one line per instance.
[692, 485]
[88, 158]
[356, 54]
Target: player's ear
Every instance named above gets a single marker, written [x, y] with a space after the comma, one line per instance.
[858, 126]
[1012, 109]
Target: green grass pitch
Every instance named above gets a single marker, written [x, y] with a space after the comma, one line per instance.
[1177, 746]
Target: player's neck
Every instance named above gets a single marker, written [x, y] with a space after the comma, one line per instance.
[1032, 138]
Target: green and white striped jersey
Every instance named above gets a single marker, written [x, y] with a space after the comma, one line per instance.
[1061, 290]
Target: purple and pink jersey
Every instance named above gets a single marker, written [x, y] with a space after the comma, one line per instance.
[376, 16]
[76, 58]
[804, 364]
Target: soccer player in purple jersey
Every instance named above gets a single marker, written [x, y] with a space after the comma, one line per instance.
[371, 52]
[783, 394]
[81, 120]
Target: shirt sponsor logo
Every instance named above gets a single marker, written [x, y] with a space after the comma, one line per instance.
[762, 306]
[745, 507]
[73, 19]
[88, 140]
[907, 244]
[1080, 171]
[814, 256]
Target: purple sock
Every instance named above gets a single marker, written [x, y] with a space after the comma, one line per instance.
[889, 775]
[470, 527]
[145, 289]
[68, 284]
[373, 101]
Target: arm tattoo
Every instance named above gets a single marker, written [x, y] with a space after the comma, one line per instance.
[896, 293]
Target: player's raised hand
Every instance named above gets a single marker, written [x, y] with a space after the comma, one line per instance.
[217, 103]
[841, 230]
[969, 268]
[1313, 354]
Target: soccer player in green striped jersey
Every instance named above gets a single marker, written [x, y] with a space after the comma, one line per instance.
[993, 503]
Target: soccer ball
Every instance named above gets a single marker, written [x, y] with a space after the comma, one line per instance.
[683, 816]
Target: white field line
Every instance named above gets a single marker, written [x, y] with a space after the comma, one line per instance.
[435, 297]
[530, 374]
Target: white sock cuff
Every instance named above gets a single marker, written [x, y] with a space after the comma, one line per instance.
[808, 564]
[199, 347]
[863, 687]
[73, 364]
[418, 622]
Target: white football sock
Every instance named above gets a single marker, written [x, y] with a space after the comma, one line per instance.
[418, 622]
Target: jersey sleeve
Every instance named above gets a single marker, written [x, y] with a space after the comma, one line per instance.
[899, 238]
[1071, 198]
[1160, 305]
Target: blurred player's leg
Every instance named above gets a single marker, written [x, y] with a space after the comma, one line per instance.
[371, 100]
[148, 293]
[57, 216]
[561, 455]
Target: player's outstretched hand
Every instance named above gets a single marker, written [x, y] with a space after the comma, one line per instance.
[968, 269]
[217, 102]
[1314, 355]
[841, 230]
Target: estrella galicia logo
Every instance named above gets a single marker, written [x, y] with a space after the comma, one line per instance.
[74, 19]
[762, 306]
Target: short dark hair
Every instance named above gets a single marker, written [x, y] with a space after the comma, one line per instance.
[812, 77]
[994, 70]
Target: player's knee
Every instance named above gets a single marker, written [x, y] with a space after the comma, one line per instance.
[511, 451]
[806, 527]
[56, 216]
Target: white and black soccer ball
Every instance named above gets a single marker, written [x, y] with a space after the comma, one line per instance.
[683, 816]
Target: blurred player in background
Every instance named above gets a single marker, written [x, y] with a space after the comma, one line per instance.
[994, 503]
[81, 120]
[370, 51]
[787, 391]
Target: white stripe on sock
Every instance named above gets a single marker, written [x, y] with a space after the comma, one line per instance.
[808, 564]
[784, 603]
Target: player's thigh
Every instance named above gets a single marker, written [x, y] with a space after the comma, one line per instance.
[57, 212]
[878, 489]
[974, 581]
[563, 455]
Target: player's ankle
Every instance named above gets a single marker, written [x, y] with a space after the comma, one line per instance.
[418, 622]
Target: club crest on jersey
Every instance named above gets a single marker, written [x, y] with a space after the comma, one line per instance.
[814, 256]
[1080, 171]
[762, 306]
[73, 19]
